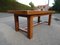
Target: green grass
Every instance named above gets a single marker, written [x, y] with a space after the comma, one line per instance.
[13, 6]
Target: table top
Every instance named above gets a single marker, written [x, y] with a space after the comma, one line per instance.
[30, 12]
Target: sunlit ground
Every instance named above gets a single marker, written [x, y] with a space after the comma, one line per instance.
[42, 34]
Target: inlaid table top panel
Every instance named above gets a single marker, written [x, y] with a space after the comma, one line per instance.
[30, 12]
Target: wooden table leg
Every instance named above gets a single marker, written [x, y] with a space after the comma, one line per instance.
[49, 20]
[30, 26]
[16, 22]
[38, 19]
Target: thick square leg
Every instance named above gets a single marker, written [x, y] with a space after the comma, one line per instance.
[38, 19]
[16, 22]
[30, 26]
[49, 20]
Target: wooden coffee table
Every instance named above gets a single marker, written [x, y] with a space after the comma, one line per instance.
[30, 14]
